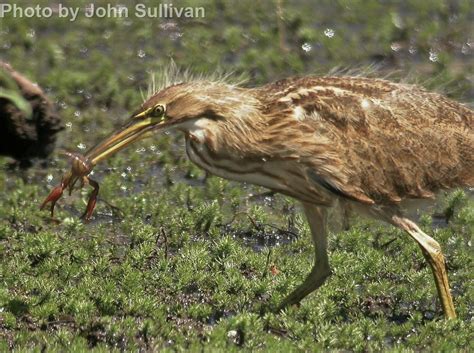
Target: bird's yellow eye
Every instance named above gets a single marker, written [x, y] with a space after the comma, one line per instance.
[157, 111]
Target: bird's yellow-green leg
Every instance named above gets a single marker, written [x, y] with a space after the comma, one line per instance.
[317, 219]
[432, 253]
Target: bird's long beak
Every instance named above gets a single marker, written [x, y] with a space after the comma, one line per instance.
[134, 130]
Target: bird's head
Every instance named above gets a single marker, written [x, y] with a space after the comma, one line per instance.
[178, 107]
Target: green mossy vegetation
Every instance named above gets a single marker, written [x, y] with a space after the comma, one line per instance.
[175, 259]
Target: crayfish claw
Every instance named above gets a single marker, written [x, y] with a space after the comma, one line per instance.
[53, 197]
[81, 166]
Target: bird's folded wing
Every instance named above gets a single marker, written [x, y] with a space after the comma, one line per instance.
[339, 189]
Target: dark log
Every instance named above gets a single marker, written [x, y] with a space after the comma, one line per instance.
[28, 133]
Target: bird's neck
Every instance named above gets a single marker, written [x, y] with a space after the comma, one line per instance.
[199, 130]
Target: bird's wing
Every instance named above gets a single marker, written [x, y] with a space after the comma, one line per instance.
[371, 140]
[342, 190]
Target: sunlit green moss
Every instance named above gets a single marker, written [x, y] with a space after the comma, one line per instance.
[165, 264]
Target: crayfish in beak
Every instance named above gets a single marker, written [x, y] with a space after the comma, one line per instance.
[80, 169]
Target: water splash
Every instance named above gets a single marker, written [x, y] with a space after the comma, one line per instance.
[306, 47]
[175, 35]
[466, 48]
[396, 46]
[433, 56]
[329, 32]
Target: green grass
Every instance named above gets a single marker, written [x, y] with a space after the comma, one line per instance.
[171, 274]
[169, 267]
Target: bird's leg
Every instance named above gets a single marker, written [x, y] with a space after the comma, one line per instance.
[432, 253]
[317, 219]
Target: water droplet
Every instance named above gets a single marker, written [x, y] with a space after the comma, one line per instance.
[329, 32]
[140, 150]
[175, 35]
[433, 56]
[107, 34]
[69, 125]
[397, 20]
[306, 47]
[123, 175]
[412, 50]
[152, 148]
[123, 188]
[129, 169]
[232, 333]
[466, 48]
[31, 33]
[396, 46]
[169, 25]
[77, 114]
[49, 178]
[141, 54]
[81, 146]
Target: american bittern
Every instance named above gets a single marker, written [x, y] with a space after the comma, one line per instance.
[369, 143]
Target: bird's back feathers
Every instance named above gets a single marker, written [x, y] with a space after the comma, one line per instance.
[381, 141]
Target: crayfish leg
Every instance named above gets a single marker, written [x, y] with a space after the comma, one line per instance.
[92, 200]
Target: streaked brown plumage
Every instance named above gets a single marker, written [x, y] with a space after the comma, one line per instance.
[368, 140]
[369, 143]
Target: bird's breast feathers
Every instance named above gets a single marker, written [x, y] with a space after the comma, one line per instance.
[198, 130]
